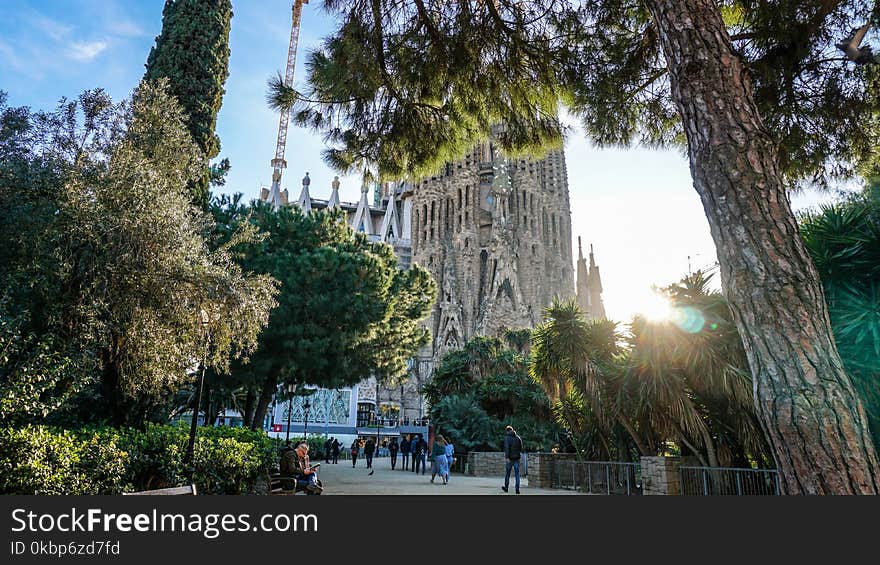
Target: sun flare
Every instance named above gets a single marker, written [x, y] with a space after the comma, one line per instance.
[656, 308]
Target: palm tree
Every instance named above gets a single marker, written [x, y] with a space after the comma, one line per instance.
[844, 241]
[691, 377]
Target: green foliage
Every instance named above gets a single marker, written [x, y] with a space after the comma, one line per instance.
[192, 52]
[407, 85]
[844, 241]
[478, 390]
[41, 460]
[344, 308]
[111, 264]
[685, 380]
[37, 460]
[465, 423]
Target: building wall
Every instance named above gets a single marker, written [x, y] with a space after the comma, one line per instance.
[496, 235]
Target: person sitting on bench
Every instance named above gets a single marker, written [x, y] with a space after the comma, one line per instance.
[306, 475]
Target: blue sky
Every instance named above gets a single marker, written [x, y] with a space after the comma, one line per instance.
[636, 206]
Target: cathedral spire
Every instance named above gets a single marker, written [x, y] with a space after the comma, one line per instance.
[334, 195]
[390, 223]
[305, 199]
[597, 307]
[583, 283]
[362, 221]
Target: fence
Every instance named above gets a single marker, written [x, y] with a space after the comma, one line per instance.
[705, 481]
[597, 477]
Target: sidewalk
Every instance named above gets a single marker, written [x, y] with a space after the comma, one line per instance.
[343, 479]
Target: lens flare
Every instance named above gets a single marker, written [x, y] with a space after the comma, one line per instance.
[656, 308]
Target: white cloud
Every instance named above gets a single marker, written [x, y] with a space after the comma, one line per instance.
[86, 50]
[125, 28]
[53, 29]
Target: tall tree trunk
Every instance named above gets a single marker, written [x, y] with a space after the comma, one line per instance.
[805, 401]
[266, 393]
[209, 407]
[250, 406]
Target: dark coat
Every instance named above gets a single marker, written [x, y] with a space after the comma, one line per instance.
[512, 445]
[393, 447]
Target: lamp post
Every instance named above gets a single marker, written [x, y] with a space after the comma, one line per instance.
[189, 456]
[290, 390]
[378, 416]
[306, 407]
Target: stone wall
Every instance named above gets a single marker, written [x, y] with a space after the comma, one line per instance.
[541, 472]
[660, 474]
[492, 464]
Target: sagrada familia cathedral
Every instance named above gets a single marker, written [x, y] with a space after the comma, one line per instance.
[496, 235]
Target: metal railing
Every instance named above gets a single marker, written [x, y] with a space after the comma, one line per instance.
[597, 477]
[708, 481]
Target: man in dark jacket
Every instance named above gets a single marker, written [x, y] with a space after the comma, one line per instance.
[369, 448]
[512, 452]
[335, 448]
[392, 450]
[404, 451]
[415, 450]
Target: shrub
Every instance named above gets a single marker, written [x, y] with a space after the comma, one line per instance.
[38, 460]
[41, 460]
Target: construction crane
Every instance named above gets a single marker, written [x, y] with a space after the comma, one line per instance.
[278, 163]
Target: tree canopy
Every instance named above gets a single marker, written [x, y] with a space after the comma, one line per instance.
[345, 310]
[370, 92]
[105, 260]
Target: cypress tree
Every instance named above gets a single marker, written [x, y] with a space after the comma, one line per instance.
[193, 53]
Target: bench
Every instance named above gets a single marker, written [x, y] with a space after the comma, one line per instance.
[187, 490]
[275, 484]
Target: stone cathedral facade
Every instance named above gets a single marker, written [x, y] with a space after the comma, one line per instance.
[494, 232]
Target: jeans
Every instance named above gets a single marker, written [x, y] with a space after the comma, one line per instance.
[424, 457]
[416, 459]
[393, 460]
[308, 480]
[369, 460]
[515, 464]
[405, 463]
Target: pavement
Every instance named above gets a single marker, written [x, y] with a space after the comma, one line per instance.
[341, 478]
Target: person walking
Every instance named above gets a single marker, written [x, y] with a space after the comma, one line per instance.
[423, 453]
[404, 451]
[369, 449]
[327, 445]
[335, 449]
[355, 451]
[439, 464]
[392, 450]
[450, 457]
[414, 449]
[512, 452]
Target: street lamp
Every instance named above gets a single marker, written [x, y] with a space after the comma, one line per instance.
[306, 407]
[188, 457]
[290, 390]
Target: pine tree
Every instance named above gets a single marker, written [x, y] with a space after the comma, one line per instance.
[758, 92]
[193, 53]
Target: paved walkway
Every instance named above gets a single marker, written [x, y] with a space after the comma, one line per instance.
[343, 479]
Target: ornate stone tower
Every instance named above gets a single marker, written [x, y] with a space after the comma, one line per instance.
[589, 287]
[496, 234]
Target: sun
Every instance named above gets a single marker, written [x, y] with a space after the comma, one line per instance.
[656, 308]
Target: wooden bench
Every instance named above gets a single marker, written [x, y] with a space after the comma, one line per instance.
[187, 490]
[275, 485]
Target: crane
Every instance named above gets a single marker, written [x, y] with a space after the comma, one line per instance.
[278, 163]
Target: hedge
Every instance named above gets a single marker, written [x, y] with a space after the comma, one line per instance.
[43, 460]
